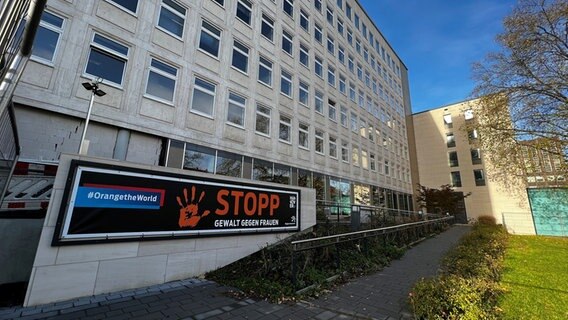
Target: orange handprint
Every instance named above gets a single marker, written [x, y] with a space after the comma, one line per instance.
[189, 215]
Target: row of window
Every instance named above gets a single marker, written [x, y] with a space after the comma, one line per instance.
[453, 157]
[478, 175]
[204, 159]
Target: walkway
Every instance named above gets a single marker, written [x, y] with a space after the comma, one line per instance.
[379, 296]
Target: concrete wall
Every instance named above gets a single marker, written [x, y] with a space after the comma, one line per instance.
[18, 248]
[61, 273]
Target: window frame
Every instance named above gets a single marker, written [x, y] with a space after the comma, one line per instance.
[240, 51]
[243, 4]
[162, 73]
[109, 52]
[165, 6]
[304, 131]
[238, 104]
[270, 68]
[210, 33]
[50, 27]
[319, 137]
[267, 115]
[206, 91]
[286, 78]
[285, 121]
[269, 22]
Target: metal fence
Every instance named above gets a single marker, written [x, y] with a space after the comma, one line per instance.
[400, 235]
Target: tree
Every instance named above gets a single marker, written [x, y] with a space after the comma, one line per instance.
[523, 89]
[442, 200]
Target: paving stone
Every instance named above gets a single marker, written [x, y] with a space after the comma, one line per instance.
[208, 314]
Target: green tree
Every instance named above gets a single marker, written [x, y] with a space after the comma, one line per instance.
[524, 88]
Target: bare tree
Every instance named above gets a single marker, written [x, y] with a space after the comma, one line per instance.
[524, 88]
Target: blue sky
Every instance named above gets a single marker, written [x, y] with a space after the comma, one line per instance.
[438, 40]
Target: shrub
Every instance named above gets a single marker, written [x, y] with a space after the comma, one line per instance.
[467, 287]
[487, 220]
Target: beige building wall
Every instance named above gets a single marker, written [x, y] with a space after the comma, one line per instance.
[432, 152]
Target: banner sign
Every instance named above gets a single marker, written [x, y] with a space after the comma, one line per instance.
[110, 203]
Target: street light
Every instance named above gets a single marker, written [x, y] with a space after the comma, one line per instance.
[95, 91]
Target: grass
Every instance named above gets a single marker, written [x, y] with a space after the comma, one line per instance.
[535, 278]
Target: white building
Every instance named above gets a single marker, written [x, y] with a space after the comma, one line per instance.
[305, 93]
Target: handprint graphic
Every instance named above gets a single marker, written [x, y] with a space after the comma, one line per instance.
[189, 214]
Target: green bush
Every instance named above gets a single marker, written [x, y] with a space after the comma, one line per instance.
[467, 287]
[487, 220]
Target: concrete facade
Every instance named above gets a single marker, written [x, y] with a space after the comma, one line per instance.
[434, 129]
[62, 273]
[370, 124]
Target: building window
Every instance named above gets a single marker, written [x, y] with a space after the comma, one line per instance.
[304, 21]
[355, 156]
[318, 67]
[333, 147]
[236, 110]
[107, 59]
[172, 18]
[287, 42]
[475, 156]
[319, 142]
[304, 93]
[303, 136]
[456, 179]
[285, 129]
[199, 158]
[343, 116]
[342, 85]
[304, 56]
[129, 5]
[352, 93]
[358, 45]
[220, 2]
[267, 27]
[318, 35]
[472, 134]
[240, 56]
[262, 170]
[354, 123]
[331, 76]
[344, 151]
[350, 36]
[244, 11]
[450, 140]
[229, 164]
[288, 7]
[341, 54]
[286, 83]
[210, 38]
[351, 64]
[363, 128]
[262, 123]
[479, 177]
[372, 162]
[359, 72]
[203, 97]
[47, 37]
[161, 80]
[453, 159]
[447, 119]
[468, 114]
[364, 159]
[331, 110]
[356, 21]
[330, 45]
[340, 27]
[329, 15]
[265, 71]
[387, 167]
[371, 133]
[348, 10]
[319, 101]
[317, 5]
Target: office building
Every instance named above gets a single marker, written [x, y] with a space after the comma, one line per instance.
[304, 93]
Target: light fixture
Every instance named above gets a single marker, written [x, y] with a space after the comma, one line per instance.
[92, 86]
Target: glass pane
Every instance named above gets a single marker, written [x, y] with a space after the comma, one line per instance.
[281, 174]
[236, 114]
[45, 43]
[105, 66]
[171, 22]
[127, 4]
[240, 61]
[209, 43]
[160, 86]
[112, 45]
[164, 67]
[262, 170]
[202, 102]
[52, 19]
[229, 164]
[199, 159]
[243, 13]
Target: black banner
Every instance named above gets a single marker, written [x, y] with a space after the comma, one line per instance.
[110, 203]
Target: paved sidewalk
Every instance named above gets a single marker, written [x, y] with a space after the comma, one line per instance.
[378, 296]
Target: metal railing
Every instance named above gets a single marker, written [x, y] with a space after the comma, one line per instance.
[402, 234]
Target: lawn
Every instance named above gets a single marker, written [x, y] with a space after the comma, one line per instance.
[535, 277]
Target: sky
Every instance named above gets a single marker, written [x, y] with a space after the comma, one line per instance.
[438, 41]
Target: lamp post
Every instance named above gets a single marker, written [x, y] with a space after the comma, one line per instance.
[92, 86]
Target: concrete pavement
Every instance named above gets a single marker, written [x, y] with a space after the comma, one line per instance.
[381, 295]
